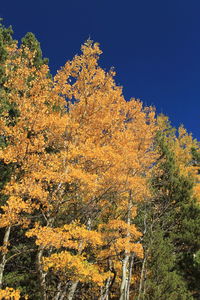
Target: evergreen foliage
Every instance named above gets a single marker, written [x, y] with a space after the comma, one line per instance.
[172, 229]
[162, 280]
[30, 41]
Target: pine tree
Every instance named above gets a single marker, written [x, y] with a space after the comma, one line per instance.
[30, 41]
[162, 280]
[163, 218]
[186, 235]
[5, 40]
[184, 192]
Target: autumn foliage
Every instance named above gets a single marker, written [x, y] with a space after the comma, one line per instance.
[81, 159]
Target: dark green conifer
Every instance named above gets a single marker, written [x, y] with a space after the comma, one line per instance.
[186, 234]
[172, 230]
[162, 280]
[30, 41]
[5, 40]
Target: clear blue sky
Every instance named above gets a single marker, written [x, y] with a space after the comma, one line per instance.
[153, 45]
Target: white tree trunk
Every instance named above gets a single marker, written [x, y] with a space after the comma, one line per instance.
[143, 271]
[74, 284]
[141, 279]
[124, 283]
[41, 273]
[125, 262]
[105, 291]
[71, 290]
[3, 257]
[130, 274]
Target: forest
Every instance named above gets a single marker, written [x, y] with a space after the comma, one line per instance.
[99, 196]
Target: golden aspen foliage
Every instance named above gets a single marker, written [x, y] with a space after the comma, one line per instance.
[78, 148]
[74, 237]
[38, 127]
[9, 294]
[104, 132]
[32, 137]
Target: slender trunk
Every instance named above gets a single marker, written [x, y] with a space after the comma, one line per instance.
[141, 279]
[125, 262]
[61, 291]
[41, 273]
[109, 282]
[105, 291]
[123, 288]
[143, 271]
[74, 284]
[3, 257]
[71, 291]
[130, 274]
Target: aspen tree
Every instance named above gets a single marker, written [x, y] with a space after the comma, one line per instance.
[75, 144]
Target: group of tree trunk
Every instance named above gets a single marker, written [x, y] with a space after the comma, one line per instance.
[99, 197]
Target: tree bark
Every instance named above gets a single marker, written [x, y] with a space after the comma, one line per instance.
[130, 274]
[125, 262]
[105, 292]
[3, 257]
[141, 279]
[123, 287]
[74, 284]
[71, 290]
[41, 273]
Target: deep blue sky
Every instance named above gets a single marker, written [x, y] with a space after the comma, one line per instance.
[153, 45]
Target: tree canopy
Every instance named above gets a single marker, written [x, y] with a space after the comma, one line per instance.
[99, 196]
